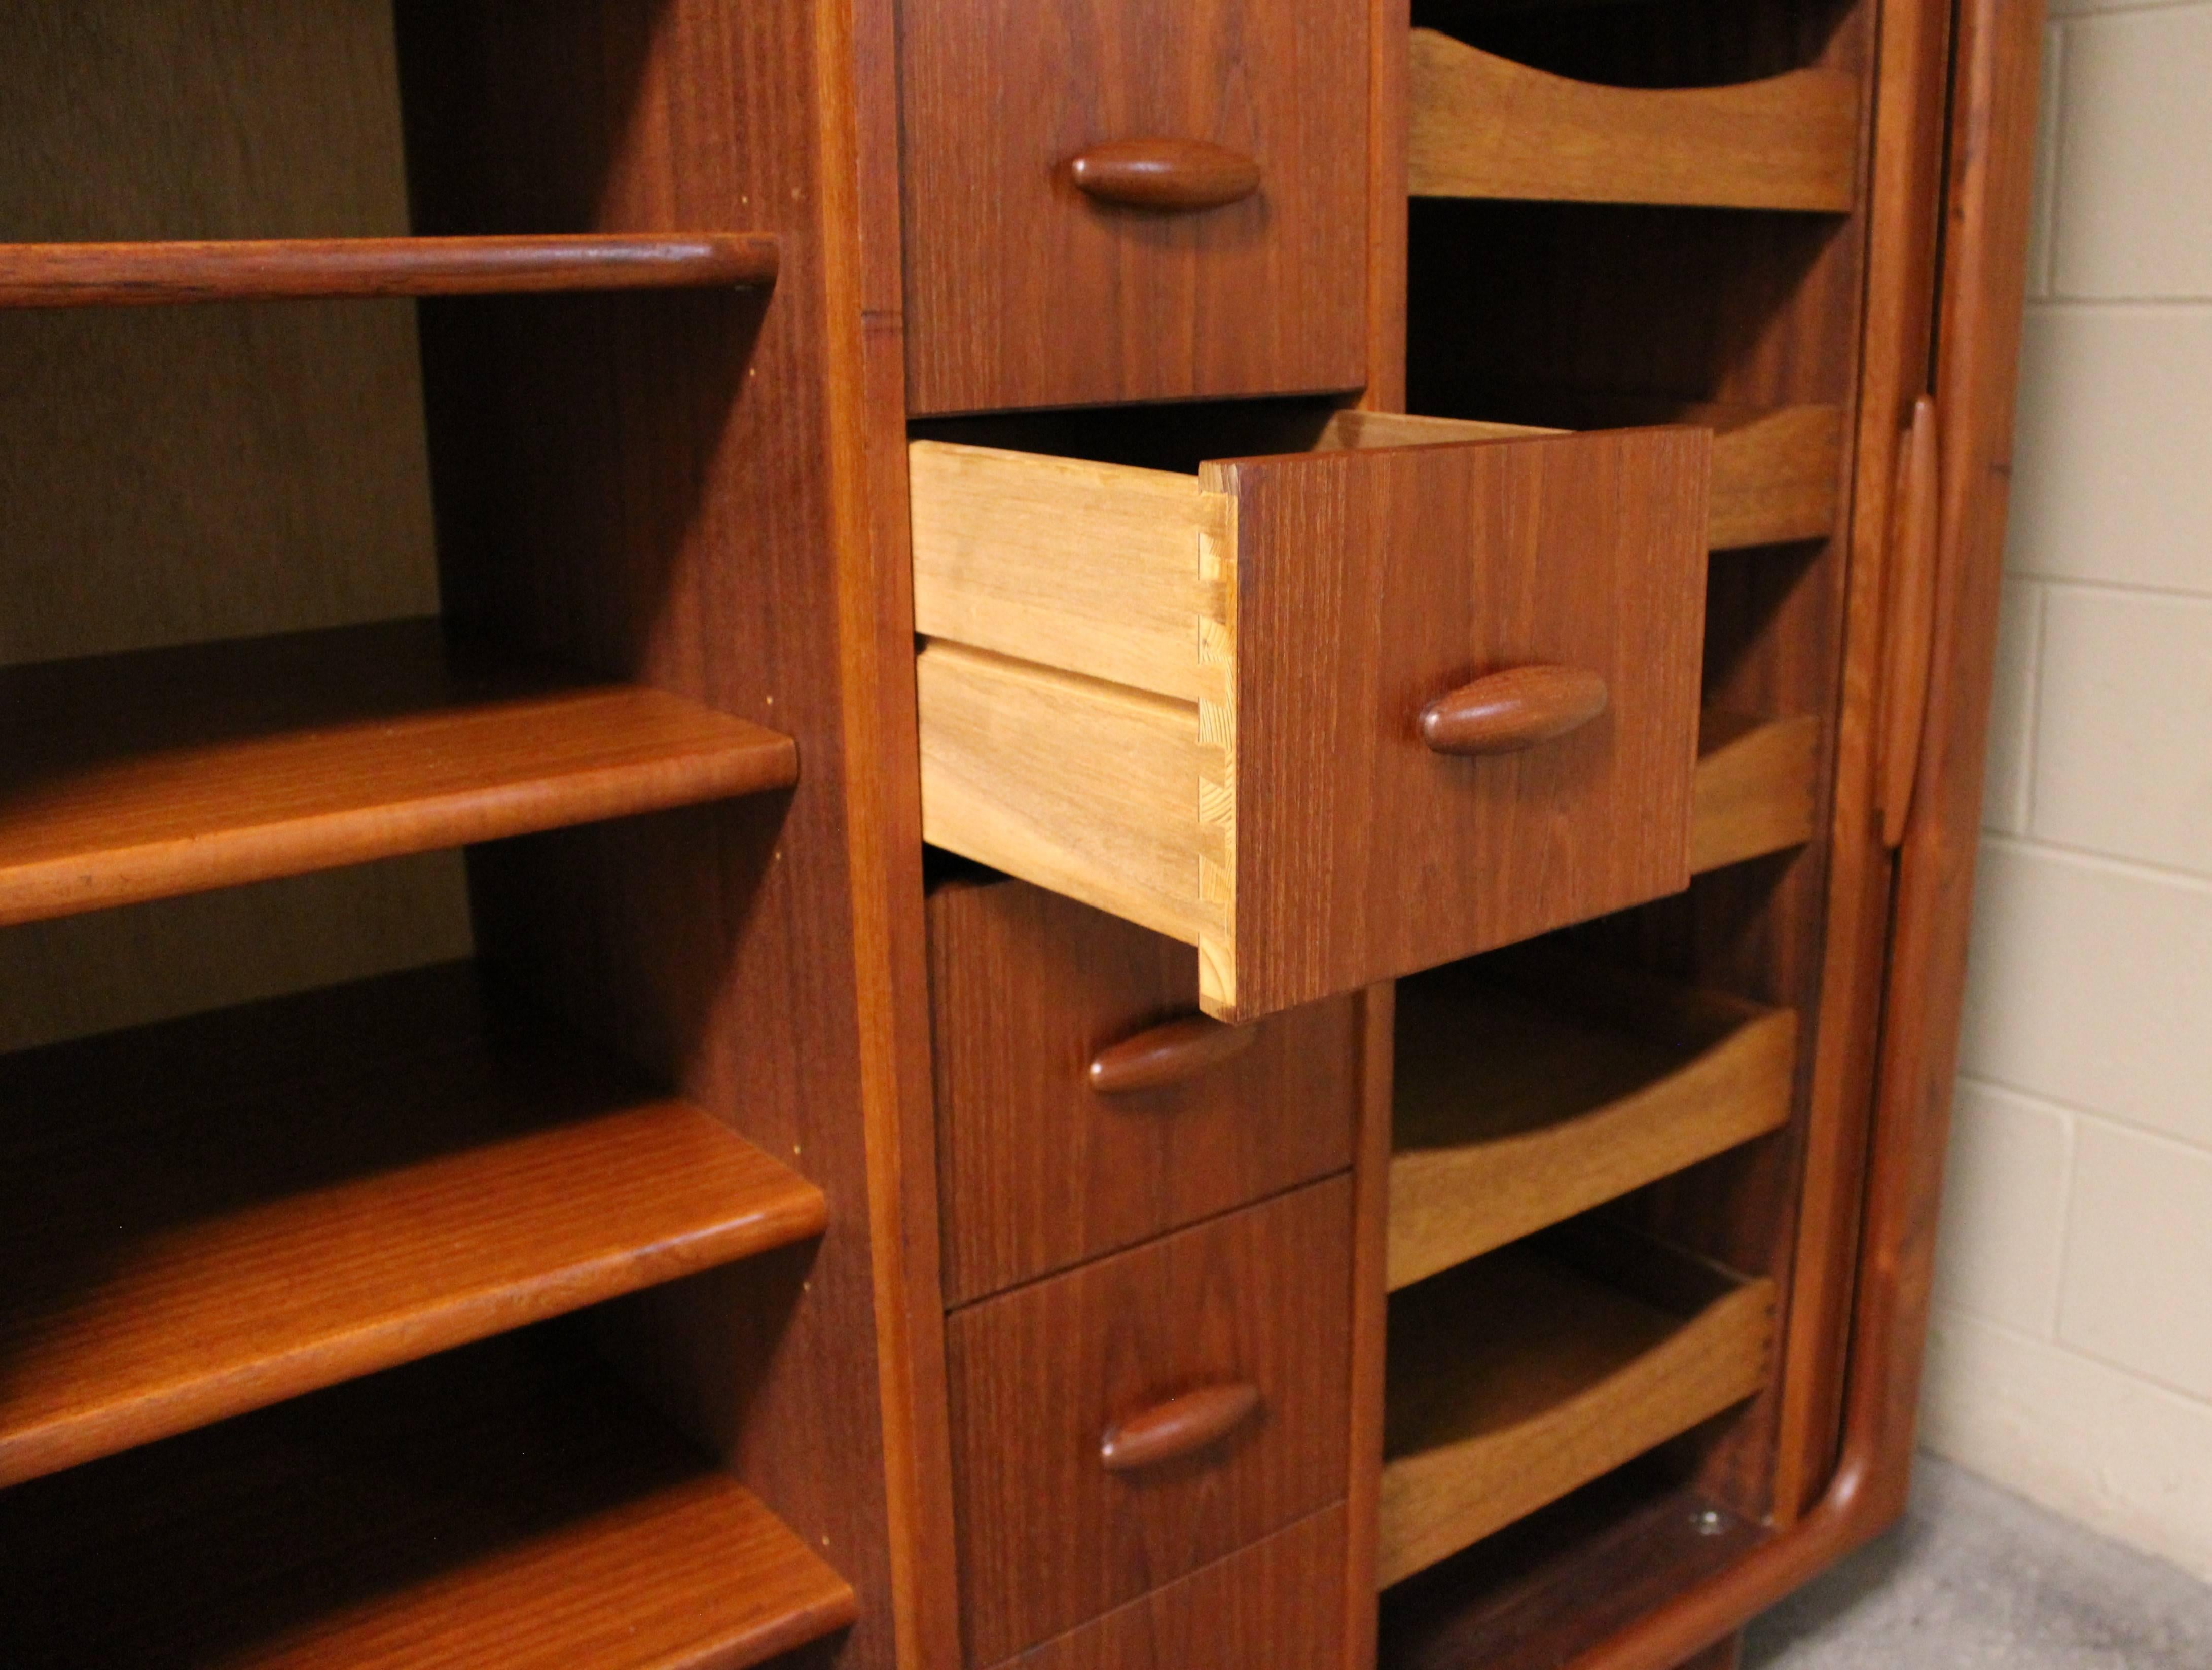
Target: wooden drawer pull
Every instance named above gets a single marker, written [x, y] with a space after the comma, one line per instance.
[1168, 1055]
[1511, 710]
[1164, 173]
[1178, 1426]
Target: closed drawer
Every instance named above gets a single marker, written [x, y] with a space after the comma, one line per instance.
[1039, 1167]
[1330, 717]
[1025, 289]
[1276, 1605]
[1237, 1328]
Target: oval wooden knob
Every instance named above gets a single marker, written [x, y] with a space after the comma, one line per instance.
[1511, 710]
[1178, 1426]
[1164, 173]
[1168, 1055]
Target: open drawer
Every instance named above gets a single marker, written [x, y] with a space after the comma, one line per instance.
[1329, 716]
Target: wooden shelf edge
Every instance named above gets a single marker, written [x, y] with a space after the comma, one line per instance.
[1521, 1377]
[503, 1187]
[1483, 126]
[1756, 788]
[131, 275]
[164, 772]
[1680, 1075]
[492, 1506]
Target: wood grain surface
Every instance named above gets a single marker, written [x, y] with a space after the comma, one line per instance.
[1517, 1378]
[215, 1214]
[1483, 126]
[1521, 1103]
[1048, 1538]
[133, 777]
[1756, 788]
[112, 274]
[490, 1507]
[1037, 1171]
[1092, 567]
[1021, 291]
[1584, 550]
[1271, 1606]
[1088, 788]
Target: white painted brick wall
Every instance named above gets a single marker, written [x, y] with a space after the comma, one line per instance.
[2072, 1354]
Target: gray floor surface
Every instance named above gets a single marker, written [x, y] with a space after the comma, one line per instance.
[1976, 1578]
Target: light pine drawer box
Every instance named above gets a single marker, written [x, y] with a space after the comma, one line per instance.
[1199, 701]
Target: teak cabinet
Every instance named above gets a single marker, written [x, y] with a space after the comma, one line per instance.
[938, 835]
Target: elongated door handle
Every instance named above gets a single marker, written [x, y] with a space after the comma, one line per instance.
[1511, 710]
[1178, 1426]
[1164, 173]
[1168, 1055]
[1912, 627]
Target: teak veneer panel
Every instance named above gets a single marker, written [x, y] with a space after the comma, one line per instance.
[487, 1507]
[1757, 785]
[1521, 1103]
[1049, 1537]
[1278, 1604]
[1520, 1377]
[1038, 1170]
[208, 1215]
[132, 777]
[92, 275]
[1022, 291]
[1483, 126]
[1312, 604]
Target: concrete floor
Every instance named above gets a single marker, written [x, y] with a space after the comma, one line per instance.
[1978, 1579]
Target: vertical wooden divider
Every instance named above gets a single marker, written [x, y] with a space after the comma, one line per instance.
[1371, 1316]
[705, 497]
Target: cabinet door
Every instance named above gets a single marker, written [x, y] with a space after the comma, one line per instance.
[1025, 289]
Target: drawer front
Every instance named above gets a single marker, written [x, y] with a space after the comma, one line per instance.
[1372, 583]
[1136, 1346]
[1260, 776]
[1022, 290]
[1038, 1169]
[1276, 1605]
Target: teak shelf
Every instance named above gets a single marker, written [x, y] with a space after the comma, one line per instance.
[1483, 126]
[1520, 1377]
[489, 1506]
[212, 1214]
[1522, 1102]
[132, 777]
[91, 275]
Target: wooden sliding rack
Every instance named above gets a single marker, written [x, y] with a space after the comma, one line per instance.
[1521, 1375]
[1483, 126]
[1530, 1088]
[1591, 1191]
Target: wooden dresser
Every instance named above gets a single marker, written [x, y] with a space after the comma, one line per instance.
[932, 834]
